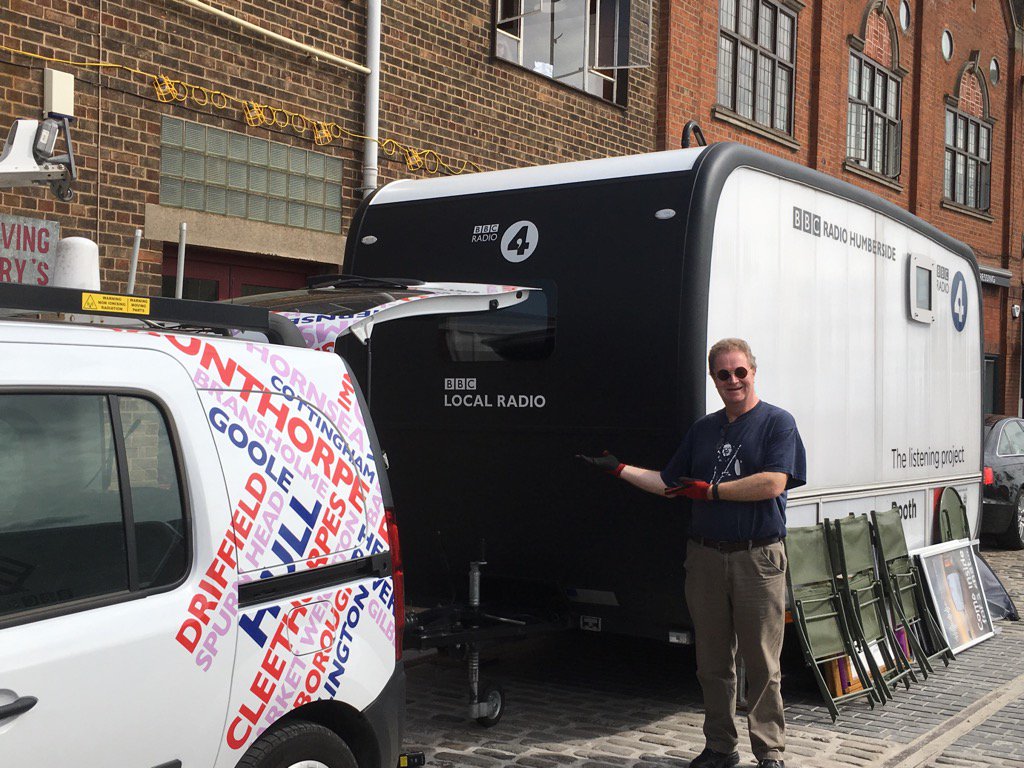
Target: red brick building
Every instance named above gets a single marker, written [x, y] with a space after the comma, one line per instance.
[183, 115]
[255, 140]
[918, 102]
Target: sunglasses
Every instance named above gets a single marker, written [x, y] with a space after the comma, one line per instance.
[724, 375]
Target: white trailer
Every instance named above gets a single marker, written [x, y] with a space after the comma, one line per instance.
[869, 329]
[865, 320]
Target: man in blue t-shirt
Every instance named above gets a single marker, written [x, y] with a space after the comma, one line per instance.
[736, 465]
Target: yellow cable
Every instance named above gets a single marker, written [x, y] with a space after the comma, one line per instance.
[97, 64]
[169, 90]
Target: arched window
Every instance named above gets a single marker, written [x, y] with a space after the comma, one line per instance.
[967, 177]
[874, 129]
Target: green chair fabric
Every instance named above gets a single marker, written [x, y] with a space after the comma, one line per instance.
[865, 602]
[818, 612]
[952, 516]
[893, 558]
[905, 590]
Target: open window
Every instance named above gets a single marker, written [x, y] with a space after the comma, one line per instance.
[586, 44]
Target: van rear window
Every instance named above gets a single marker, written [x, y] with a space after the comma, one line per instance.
[523, 332]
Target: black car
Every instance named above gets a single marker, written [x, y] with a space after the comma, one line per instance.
[1002, 509]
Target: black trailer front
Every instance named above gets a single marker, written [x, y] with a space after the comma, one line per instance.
[486, 430]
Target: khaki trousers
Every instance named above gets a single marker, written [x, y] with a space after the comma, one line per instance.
[739, 597]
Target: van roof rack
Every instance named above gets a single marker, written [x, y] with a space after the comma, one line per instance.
[185, 312]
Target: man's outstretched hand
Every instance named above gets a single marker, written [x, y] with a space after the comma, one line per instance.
[606, 462]
[689, 488]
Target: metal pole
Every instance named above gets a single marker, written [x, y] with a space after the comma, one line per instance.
[133, 264]
[371, 117]
[474, 650]
[315, 52]
[179, 283]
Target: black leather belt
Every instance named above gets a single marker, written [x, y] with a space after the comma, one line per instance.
[734, 546]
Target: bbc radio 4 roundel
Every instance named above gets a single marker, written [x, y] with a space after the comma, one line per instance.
[958, 301]
[519, 241]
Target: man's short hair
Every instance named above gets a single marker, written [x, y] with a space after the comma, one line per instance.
[730, 345]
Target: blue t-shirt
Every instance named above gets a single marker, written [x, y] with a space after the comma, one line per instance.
[764, 439]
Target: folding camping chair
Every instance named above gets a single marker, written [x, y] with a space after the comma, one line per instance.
[905, 591]
[818, 613]
[952, 516]
[864, 599]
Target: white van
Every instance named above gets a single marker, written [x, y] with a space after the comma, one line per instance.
[866, 322]
[199, 560]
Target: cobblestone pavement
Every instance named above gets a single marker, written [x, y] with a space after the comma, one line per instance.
[602, 702]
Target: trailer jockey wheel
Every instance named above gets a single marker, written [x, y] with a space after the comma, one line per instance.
[492, 702]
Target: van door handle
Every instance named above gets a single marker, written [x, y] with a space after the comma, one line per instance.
[18, 706]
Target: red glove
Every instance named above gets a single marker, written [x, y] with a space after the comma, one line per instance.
[606, 462]
[691, 489]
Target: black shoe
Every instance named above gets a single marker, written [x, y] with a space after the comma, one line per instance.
[766, 763]
[711, 759]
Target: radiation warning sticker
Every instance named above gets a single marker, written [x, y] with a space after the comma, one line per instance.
[124, 305]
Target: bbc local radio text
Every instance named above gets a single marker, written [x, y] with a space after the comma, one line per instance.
[461, 392]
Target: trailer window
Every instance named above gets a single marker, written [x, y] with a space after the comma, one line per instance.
[921, 286]
[924, 288]
[523, 332]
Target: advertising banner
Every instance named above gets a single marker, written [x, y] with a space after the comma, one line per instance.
[28, 248]
[957, 593]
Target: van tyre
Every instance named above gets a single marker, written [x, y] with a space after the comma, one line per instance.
[1014, 536]
[493, 695]
[299, 744]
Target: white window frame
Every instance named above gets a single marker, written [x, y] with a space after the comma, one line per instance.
[762, 57]
[863, 147]
[610, 75]
[955, 176]
[918, 313]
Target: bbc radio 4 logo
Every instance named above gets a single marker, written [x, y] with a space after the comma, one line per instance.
[806, 221]
[485, 233]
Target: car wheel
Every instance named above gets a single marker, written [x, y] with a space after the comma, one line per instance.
[299, 744]
[1013, 538]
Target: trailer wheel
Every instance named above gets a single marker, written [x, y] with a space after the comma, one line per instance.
[1013, 538]
[493, 696]
[299, 744]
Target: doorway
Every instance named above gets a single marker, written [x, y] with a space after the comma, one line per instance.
[213, 275]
